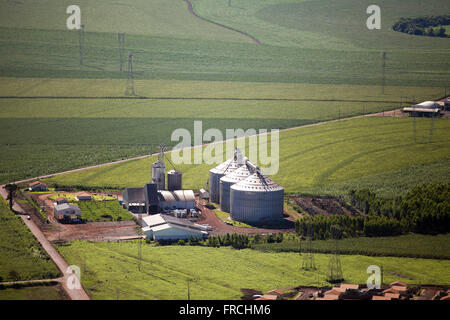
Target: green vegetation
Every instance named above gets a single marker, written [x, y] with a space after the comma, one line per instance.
[300, 58]
[424, 26]
[103, 211]
[220, 273]
[224, 217]
[32, 293]
[373, 152]
[22, 256]
[411, 245]
[71, 197]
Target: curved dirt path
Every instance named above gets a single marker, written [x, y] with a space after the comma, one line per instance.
[191, 10]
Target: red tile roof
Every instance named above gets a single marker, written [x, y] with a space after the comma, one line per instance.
[398, 283]
[380, 298]
[35, 183]
[349, 286]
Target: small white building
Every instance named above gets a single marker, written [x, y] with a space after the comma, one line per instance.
[84, 196]
[66, 211]
[164, 227]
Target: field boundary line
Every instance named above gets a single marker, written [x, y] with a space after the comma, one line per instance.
[198, 98]
[191, 10]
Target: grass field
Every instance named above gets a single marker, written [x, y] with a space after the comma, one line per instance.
[22, 257]
[374, 152]
[103, 211]
[219, 273]
[413, 246]
[31, 293]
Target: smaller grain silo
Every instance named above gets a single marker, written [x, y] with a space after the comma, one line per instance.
[257, 199]
[227, 181]
[174, 180]
[159, 174]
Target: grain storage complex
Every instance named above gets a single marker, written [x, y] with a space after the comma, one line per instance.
[243, 191]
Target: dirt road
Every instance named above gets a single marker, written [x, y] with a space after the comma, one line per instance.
[74, 294]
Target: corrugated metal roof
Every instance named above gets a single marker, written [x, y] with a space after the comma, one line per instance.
[257, 182]
[239, 174]
[177, 195]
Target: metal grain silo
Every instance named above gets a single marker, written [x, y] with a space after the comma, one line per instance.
[174, 179]
[218, 172]
[159, 174]
[227, 181]
[257, 199]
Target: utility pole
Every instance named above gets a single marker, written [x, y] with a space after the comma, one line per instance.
[81, 42]
[335, 268]
[139, 254]
[121, 38]
[130, 77]
[188, 289]
[431, 128]
[383, 70]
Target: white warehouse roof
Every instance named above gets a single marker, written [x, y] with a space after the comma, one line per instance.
[164, 227]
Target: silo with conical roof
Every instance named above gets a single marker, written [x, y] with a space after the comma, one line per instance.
[227, 181]
[221, 170]
[257, 199]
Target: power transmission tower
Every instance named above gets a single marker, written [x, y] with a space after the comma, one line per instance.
[130, 77]
[188, 289]
[308, 258]
[121, 38]
[335, 268]
[81, 42]
[383, 70]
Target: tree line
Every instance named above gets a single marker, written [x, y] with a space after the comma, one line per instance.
[424, 209]
[424, 26]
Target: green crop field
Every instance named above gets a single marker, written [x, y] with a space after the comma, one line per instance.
[219, 273]
[103, 211]
[413, 245]
[31, 293]
[311, 66]
[372, 152]
[22, 256]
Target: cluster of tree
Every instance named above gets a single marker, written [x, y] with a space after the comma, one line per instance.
[425, 209]
[236, 241]
[423, 26]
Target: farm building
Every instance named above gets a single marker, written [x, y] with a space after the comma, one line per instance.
[424, 109]
[61, 200]
[67, 211]
[177, 199]
[164, 227]
[84, 196]
[38, 186]
[150, 200]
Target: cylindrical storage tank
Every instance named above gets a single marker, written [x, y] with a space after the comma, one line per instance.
[159, 174]
[227, 181]
[174, 179]
[214, 177]
[257, 199]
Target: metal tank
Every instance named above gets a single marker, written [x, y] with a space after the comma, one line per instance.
[257, 199]
[159, 174]
[227, 181]
[174, 179]
[218, 172]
